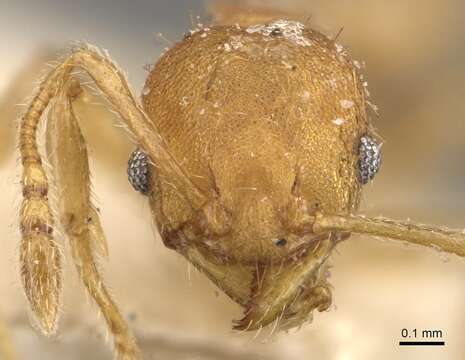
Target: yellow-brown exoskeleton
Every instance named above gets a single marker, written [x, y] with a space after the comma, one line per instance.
[253, 147]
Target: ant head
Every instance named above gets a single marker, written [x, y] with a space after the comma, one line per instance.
[269, 123]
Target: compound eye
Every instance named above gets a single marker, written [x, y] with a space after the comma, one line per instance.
[369, 158]
[139, 172]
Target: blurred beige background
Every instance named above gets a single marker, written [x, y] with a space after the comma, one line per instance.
[415, 55]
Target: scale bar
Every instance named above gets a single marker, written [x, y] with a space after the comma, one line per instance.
[422, 343]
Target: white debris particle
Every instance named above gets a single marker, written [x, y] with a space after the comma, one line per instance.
[149, 67]
[204, 35]
[287, 65]
[347, 104]
[357, 64]
[216, 105]
[184, 101]
[227, 47]
[339, 48]
[341, 52]
[291, 30]
[374, 107]
[199, 28]
[236, 42]
[333, 83]
[146, 90]
[339, 121]
[202, 112]
[305, 95]
[365, 89]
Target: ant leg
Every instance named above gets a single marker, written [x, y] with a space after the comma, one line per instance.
[277, 289]
[451, 241]
[67, 153]
[39, 253]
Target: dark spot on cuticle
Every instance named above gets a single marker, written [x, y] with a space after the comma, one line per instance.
[280, 242]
